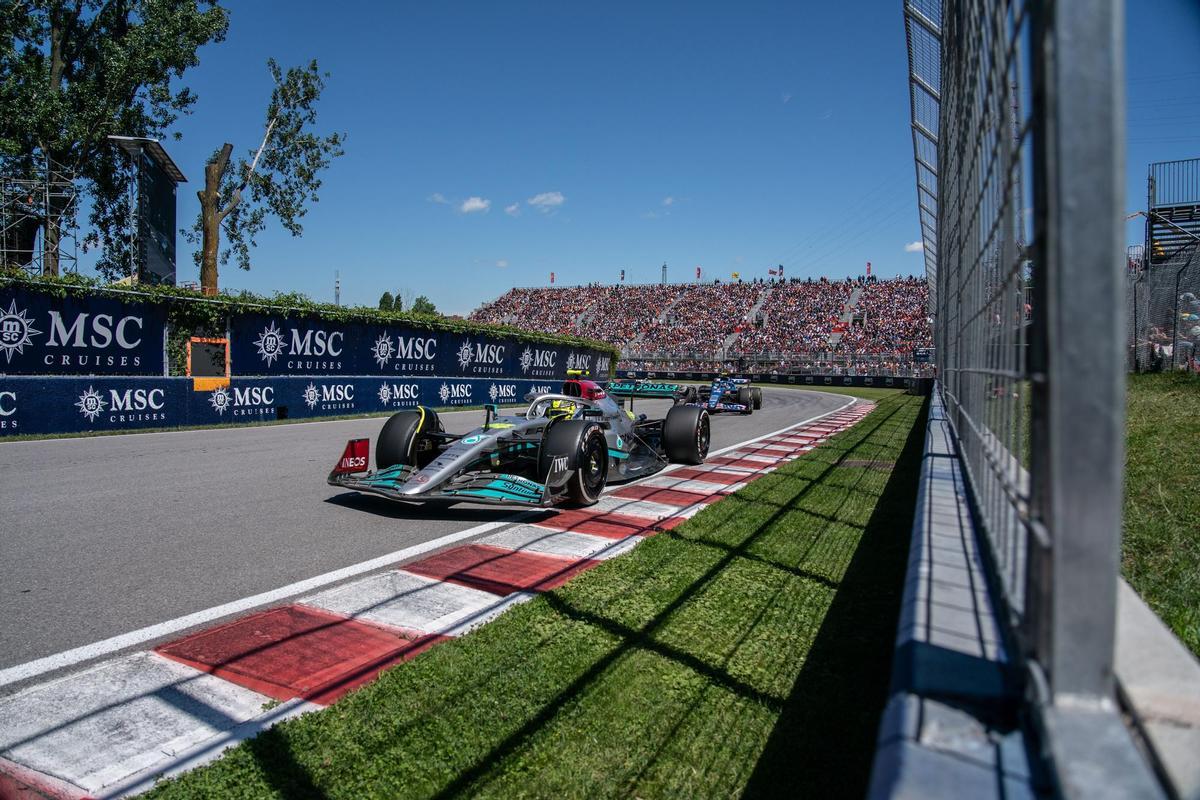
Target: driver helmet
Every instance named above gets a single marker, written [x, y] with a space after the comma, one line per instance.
[561, 408]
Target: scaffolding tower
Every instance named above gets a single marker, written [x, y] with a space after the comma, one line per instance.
[29, 208]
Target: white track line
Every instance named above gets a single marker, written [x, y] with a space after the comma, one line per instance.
[77, 655]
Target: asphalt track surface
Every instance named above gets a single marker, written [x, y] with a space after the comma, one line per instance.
[102, 536]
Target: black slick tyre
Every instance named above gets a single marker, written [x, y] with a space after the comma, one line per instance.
[578, 450]
[746, 398]
[686, 434]
[756, 393]
[399, 440]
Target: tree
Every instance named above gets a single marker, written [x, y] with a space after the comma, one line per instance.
[404, 298]
[73, 72]
[386, 302]
[423, 305]
[279, 180]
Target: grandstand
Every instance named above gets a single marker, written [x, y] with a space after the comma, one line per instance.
[852, 326]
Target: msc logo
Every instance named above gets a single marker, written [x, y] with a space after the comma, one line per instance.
[457, 392]
[404, 348]
[480, 353]
[336, 395]
[543, 389]
[502, 391]
[242, 398]
[383, 350]
[602, 365]
[272, 343]
[103, 331]
[416, 348]
[579, 361]
[136, 399]
[127, 404]
[316, 343]
[16, 331]
[399, 393]
[538, 359]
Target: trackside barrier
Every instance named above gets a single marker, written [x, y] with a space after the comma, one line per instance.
[915, 385]
[83, 333]
[948, 729]
[38, 405]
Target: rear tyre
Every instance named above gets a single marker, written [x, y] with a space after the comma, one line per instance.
[690, 395]
[580, 445]
[756, 393]
[400, 440]
[746, 398]
[686, 433]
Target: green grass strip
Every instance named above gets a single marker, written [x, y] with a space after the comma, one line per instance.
[747, 652]
[1161, 542]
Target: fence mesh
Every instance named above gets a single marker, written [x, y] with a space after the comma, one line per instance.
[1164, 310]
[983, 267]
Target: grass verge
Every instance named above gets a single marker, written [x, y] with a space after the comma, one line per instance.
[746, 652]
[1161, 542]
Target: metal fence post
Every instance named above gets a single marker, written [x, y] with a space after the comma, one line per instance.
[1079, 384]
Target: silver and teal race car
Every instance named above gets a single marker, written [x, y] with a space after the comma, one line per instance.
[564, 448]
[723, 394]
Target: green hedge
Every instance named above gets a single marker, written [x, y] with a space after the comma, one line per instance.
[189, 313]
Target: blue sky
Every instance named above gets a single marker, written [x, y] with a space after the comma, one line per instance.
[490, 144]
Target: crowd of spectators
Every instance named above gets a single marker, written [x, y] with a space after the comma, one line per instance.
[803, 324]
[890, 317]
[797, 316]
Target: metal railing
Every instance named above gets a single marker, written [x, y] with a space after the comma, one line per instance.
[1017, 119]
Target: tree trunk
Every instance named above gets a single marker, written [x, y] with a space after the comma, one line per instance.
[210, 212]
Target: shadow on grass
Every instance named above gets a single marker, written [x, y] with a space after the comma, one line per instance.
[824, 741]
[466, 781]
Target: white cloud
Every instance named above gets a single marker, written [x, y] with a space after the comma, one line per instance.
[547, 201]
[786, 97]
[668, 201]
[650, 215]
[438, 197]
[914, 247]
[502, 263]
[513, 210]
[473, 204]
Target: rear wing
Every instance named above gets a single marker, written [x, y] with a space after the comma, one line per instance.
[645, 388]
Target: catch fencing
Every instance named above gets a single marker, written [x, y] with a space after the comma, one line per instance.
[1017, 115]
[1163, 302]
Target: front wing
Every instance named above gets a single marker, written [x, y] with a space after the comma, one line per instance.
[407, 484]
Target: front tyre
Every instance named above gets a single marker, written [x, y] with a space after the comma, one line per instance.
[756, 393]
[574, 457]
[401, 442]
[686, 433]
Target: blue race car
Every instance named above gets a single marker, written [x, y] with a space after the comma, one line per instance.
[731, 394]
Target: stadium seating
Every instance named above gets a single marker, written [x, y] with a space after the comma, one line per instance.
[839, 326]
